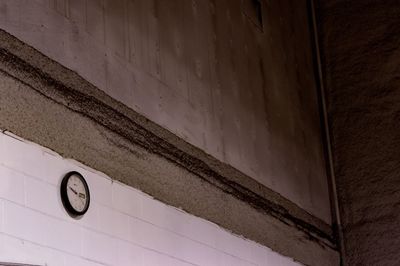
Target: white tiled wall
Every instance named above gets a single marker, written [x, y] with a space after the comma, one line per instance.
[122, 227]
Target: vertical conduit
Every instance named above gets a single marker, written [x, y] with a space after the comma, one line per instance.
[334, 196]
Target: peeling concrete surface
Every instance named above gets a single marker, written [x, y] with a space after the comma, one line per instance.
[361, 54]
[202, 70]
[52, 106]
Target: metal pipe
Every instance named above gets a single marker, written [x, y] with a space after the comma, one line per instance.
[333, 188]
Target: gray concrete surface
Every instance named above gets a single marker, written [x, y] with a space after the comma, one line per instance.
[202, 70]
[361, 54]
[46, 103]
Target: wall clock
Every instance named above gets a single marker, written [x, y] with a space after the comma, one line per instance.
[75, 194]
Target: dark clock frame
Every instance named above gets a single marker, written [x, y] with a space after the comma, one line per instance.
[64, 196]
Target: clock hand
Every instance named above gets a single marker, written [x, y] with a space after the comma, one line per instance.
[73, 190]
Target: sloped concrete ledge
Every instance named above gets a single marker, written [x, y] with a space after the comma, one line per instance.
[48, 104]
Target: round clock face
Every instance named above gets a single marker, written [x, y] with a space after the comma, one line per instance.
[75, 194]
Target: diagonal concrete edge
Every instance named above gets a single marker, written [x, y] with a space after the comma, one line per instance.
[48, 104]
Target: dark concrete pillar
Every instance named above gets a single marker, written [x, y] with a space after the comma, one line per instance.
[360, 48]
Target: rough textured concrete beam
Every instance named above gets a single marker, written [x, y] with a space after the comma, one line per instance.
[52, 106]
[203, 70]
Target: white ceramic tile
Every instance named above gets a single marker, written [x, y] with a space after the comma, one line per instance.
[174, 245]
[24, 223]
[79, 261]
[1, 215]
[63, 235]
[3, 152]
[126, 200]
[164, 216]
[197, 253]
[23, 157]
[201, 230]
[20, 251]
[106, 219]
[259, 254]
[11, 185]
[100, 187]
[89, 220]
[228, 260]
[98, 247]
[123, 226]
[55, 168]
[39, 228]
[44, 197]
[153, 258]
[233, 245]
[114, 223]
[153, 237]
[128, 254]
